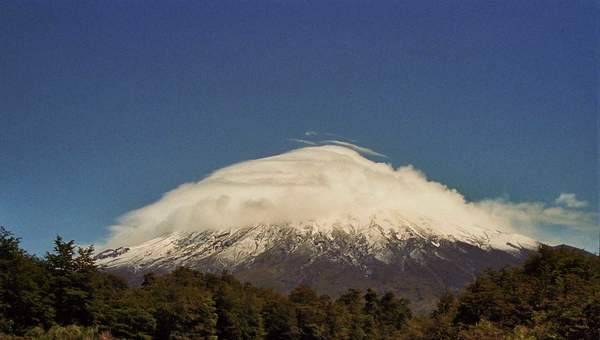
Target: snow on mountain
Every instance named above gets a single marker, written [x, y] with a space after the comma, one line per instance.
[323, 216]
[401, 255]
[237, 245]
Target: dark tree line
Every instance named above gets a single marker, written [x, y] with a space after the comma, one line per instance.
[64, 295]
[554, 295]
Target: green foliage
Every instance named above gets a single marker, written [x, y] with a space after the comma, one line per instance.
[183, 307]
[483, 329]
[554, 295]
[394, 312]
[24, 301]
[310, 313]
[71, 332]
[239, 315]
[279, 316]
[70, 279]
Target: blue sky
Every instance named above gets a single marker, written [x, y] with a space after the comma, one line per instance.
[104, 106]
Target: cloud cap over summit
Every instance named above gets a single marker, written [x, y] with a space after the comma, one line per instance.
[327, 183]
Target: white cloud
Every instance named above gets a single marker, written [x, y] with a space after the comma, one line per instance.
[360, 149]
[314, 134]
[570, 200]
[325, 183]
[540, 221]
[336, 136]
[302, 141]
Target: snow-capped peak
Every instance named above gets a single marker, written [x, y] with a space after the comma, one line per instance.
[231, 247]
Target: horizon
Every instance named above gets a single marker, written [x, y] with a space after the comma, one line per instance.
[107, 107]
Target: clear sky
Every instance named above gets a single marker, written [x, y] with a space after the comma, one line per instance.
[105, 105]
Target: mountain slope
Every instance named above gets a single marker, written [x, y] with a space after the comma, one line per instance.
[417, 259]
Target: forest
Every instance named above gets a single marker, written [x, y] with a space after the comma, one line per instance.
[555, 294]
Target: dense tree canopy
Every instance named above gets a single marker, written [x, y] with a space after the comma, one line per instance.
[554, 295]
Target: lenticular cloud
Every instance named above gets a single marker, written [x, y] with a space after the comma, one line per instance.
[321, 183]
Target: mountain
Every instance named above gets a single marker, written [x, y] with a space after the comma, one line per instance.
[418, 259]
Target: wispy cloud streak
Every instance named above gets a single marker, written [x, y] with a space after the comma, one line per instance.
[570, 200]
[361, 149]
[302, 141]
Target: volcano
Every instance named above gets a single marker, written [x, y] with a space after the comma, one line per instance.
[414, 259]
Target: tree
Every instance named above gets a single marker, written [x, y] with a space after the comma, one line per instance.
[309, 313]
[23, 300]
[182, 307]
[371, 310]
[71, 282]
[484, 329]
[239, 314]
[353, 305]
[279, 318]
[393, 312]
